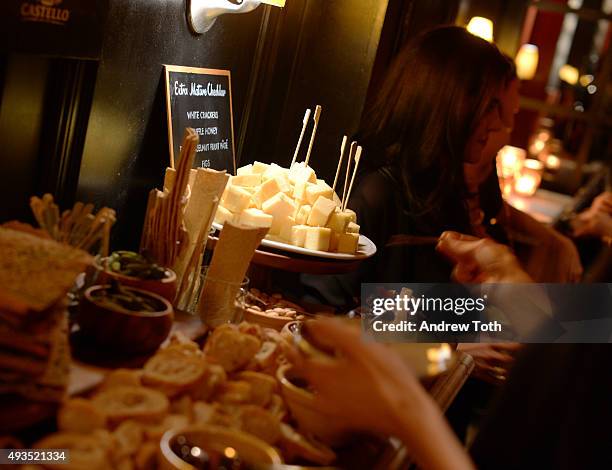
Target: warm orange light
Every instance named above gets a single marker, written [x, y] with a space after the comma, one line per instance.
[569, 74]
[529, 178]
[276, 3]
[553, 162]
[510, 160]
[526, 185]
[481, 27]
[527, 61]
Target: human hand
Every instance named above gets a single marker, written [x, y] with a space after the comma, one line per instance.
[480, 260]
[367, 385]
[603, 203]
[492, 361]
[593, 223]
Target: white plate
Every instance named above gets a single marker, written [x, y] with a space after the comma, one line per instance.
[365, 249]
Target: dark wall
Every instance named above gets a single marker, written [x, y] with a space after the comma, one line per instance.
[319, 52]
[126, 146]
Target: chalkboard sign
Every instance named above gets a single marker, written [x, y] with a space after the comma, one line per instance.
[201, 99]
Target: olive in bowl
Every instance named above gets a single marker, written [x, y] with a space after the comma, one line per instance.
[135, 270]
[126, 319]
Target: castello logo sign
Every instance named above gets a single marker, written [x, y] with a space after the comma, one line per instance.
[45, 11]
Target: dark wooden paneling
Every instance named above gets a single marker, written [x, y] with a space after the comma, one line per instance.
[70, 28]
[21, 120]
[126, 149]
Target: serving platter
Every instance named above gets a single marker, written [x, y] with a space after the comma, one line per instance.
[365, 250]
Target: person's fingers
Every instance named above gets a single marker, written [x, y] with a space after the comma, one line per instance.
[500, 359]
[337, 334]
[458, 250]
[507, 347]
[464, 273]
[451, 235]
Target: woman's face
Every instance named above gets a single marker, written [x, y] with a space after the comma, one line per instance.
[491, 122]
[478, 167]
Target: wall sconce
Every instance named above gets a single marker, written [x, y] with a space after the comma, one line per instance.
[201, 14]
[527, 61]
[481, 27]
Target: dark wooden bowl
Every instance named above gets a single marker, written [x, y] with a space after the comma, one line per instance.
[165, 287]
[123, 330]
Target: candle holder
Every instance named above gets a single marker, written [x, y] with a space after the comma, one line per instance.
[529, 178]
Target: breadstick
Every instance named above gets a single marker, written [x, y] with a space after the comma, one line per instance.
[317, 116]
[299, 144]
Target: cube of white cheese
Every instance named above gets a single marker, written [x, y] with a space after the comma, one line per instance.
[286, 229]
[333, 241]
[348, 243]
[279, 226]
[272, 171]
[236, 199]
[299, 190]
[302, 214]
[317, 238]
[320, 212]
[255, 218]
[248, 180]
[223, 215]
[279, 205]
[284, 184]
[353, 215]
[259, 168]
[245, 170]
[338, 221]
[298, 235]
[352, 227]
[268, 189]
[314, 191]
[301, 172]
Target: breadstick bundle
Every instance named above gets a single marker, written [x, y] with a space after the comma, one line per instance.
[178, 218]
[78, 226]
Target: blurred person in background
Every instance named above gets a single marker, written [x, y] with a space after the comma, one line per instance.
[551, 256]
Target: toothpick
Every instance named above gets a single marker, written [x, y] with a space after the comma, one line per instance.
[342, 148]
[299, 144]
[317, 115]
[348, 171]
[348, 194]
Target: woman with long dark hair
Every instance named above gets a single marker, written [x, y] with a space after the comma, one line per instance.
[437, 106]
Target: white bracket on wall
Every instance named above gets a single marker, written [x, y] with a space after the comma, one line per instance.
[201, 14]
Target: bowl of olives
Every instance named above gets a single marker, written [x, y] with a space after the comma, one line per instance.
[135, 270]
[126, 319]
